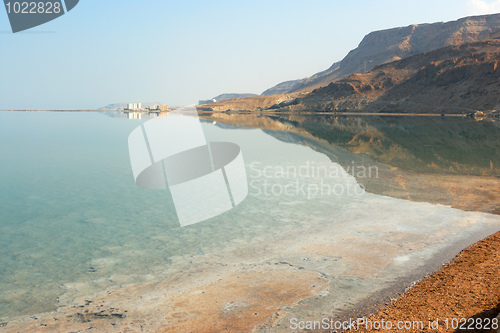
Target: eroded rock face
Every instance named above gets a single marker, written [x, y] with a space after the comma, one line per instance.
[384, 46]
[455, 79]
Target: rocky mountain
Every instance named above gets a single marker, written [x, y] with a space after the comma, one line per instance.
[454, 79]
[443, 160]
[384, 46]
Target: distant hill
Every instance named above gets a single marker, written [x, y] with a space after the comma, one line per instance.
[231, 96]
[385, 46]
[294, 85]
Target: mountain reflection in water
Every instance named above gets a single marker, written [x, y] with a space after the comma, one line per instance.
[446, 160]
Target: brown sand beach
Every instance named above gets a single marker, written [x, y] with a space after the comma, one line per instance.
[467, 289]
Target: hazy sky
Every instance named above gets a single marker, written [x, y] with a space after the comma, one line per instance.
[177, 52]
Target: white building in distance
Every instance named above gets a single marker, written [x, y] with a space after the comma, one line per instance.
[134, 106]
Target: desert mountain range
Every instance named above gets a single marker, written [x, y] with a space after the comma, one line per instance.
[384, 46]
[427, 68]
[454, 79]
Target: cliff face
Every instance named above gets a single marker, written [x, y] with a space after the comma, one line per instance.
[388, 45]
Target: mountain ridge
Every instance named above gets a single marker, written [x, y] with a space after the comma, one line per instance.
[388, 45]
[459, 79]
[455, 79]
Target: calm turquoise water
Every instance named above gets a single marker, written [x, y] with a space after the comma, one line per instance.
[73, 222]
[71, 215]
[66, 198]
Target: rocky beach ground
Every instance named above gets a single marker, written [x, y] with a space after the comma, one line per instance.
[467, 290]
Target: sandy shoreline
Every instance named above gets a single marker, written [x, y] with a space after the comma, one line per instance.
[244, 295]
[468, 287]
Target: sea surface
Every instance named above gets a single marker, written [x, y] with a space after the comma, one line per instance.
[74, 223]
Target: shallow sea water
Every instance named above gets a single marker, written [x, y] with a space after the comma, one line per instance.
[73, 222]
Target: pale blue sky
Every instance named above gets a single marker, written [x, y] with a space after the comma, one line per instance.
[178, 52]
